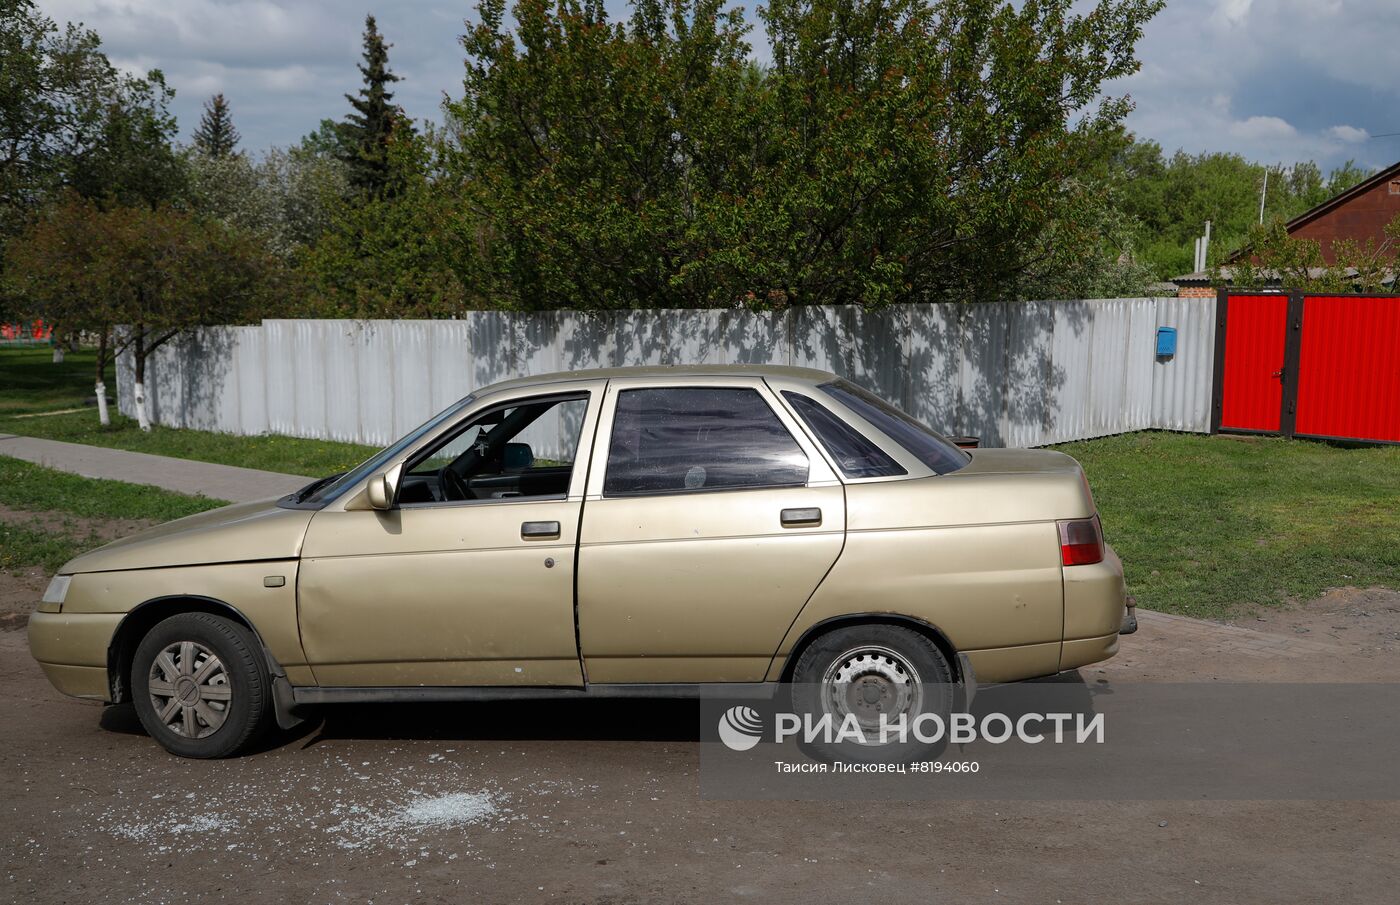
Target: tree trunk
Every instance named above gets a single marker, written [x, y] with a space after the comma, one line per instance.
[142, 418]
[102, 416]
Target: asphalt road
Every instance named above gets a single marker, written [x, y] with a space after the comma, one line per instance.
[599, 802]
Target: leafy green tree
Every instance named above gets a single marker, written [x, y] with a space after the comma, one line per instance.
[366, 134]
[69, 121]
[391, 255]
[896, 150]
[328, 140]
[287, 199]
[158, 271]
[1171, 198]
[133, 159]
[216, 135]
[52, 271]
[52, 84]
[944, 150]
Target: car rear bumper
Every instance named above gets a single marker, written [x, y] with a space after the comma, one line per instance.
[1096, 598]
[1097, 611]
[72, 650]
[1083, 651]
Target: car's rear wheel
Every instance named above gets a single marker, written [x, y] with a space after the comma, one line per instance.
[200, 685]
[874, 677]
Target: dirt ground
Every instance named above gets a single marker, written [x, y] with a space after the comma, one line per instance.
[598, 802]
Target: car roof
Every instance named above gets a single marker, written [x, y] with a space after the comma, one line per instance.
[679, 372]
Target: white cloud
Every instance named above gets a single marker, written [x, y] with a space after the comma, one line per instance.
[1348, 134]
[1262, 128]
[284, 66]
[1271, 79]
[1233, 12]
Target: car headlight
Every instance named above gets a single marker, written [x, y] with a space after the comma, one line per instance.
[57, 590]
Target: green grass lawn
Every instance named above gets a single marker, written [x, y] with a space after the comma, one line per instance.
[30, 382]
[33, 488]
[22, 546]
[24, 485]
[1215, 526]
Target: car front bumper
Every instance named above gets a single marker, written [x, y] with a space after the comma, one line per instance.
[72, 651]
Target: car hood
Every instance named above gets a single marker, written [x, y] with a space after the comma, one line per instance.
[239, 533]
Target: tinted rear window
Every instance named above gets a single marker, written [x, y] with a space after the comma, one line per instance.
[925, 444]
[855, 454]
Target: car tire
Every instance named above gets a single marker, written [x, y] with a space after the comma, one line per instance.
[201, 686]
[866, 670]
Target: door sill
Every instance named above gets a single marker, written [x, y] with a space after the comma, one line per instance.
[351, 694]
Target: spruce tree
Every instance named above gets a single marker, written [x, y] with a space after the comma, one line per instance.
[216, 135]
[366, 132]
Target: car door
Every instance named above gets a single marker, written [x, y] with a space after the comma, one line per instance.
[468, 579]
[709, 521]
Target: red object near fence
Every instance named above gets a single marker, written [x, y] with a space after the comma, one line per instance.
[35, 332]
[1349, 368]
[1252, 385]
[1321, 366]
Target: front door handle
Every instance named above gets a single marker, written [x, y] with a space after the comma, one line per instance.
[801, 518]
[539, 530]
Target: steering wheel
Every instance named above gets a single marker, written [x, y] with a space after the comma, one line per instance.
[452, 485]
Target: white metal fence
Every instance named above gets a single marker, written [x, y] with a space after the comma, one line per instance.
[1013, 373]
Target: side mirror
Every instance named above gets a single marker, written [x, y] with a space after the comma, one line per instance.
[517, 457]
[383, 486]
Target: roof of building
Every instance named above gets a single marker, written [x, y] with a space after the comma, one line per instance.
[1208, 277]
[1336, 201]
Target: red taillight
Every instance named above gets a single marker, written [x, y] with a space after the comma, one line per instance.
[1081, 541]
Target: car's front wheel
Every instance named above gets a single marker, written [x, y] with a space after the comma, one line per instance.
[200, 685]
[877, 678]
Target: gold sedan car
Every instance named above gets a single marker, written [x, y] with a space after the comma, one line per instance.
[644, 531]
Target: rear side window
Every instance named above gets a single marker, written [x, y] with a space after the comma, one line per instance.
[855, 455]
[930, 448]
[687, 439]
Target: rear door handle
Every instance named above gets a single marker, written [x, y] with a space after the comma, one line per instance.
[539, 530]
[801, 518]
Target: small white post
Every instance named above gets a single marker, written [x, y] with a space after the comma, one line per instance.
[102, 417]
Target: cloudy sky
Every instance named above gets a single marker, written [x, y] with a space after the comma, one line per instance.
[1275, 80]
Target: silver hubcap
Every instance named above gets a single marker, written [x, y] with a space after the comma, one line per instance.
[867, 682]
[189, 689]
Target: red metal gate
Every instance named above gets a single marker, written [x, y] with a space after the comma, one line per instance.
[1251, 335]
[1349, 368]
[1321, 366]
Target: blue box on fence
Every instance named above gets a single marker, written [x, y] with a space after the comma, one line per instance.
[1166, 342]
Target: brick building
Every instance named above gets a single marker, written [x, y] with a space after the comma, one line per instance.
[1360, 213]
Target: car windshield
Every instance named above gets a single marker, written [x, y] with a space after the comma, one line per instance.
[334, 488]
[928, 446]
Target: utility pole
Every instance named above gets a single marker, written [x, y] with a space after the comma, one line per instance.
[1262, 195]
